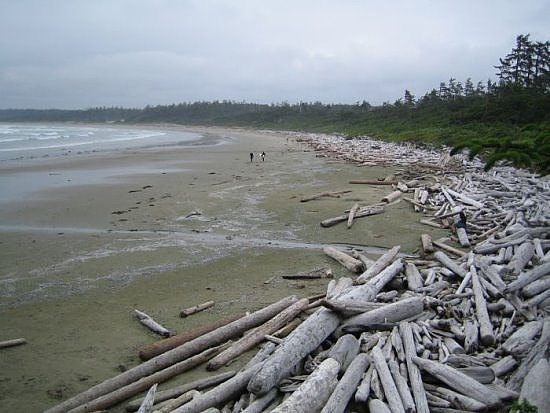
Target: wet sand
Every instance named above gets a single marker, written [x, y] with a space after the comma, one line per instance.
[171, 228]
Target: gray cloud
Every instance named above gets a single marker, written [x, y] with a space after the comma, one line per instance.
[78, 54]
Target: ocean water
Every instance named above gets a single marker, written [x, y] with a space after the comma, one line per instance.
[39, 141]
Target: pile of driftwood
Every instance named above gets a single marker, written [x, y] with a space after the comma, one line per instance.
[462, 326]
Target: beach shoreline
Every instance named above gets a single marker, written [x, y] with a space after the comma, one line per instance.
[204, 224]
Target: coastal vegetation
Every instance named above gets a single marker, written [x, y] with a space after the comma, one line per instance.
[508, 119]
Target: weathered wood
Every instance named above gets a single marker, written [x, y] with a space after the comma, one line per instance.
[314, 392]
[536, 385]
[503, 366]
[362, 212]
[148, 401]
[259, 404]
[363, 390]
[402, 387]
[344, 351]
[414, 279]
[392, 196]
[351, 214]
[310, 334]
[172, 404]
[195, 309]
[176, 355]
[371, 182]
[459, 381]
[163, 346]
[131, 389]
[485, 327]
[471, 333]
[380, 264]
[415, 377]
[256, 336]
[347, 385]
[349, 308]
[427, 245]
[12, 342]
[346, 260]
[390, 313]
[482, 374]
[177, 391]
[228, 390]
[324, 194]
[522, 257]
[378, 406]
[450, 264]
[527, 332]
[151, 324]
[458, 401]
[309, 275]
[384, 374]
[536, 287]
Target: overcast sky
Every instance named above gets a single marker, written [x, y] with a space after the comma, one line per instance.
[76, 54]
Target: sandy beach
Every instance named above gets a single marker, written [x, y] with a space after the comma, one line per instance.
[159, 230]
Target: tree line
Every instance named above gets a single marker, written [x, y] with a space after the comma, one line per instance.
[507, 119]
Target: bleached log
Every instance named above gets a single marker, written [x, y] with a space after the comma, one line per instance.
[334, 194]
[309, 335]
[151, 324]
[371, 182]
[485, 327]
[414, 279]
[536, 300]
[459, 381]
[384, 374]
[12, 342]
[125, 392]
[344, 351]
[349, 308]
[380, 264]
[465, 199]
[536, 385]
[427, 245]
[482, 374]
[453, 346]
[402, 387]
[536, 287]
[415, 378]
[347, 385]
[522, 257]
[257, 335]
[195, 309]
[336, 287]
[471, 336]
[392, 196]
[378, 406]
[163, 346]
[314, 392]
[363, 390]
[440, 244]
[450, 264]
[172, 404]
[346, 260]
[523, 334]
[390, 313]
[259, 404]
[351, 214]
[222, 393]
[176, 355]
[362, 212]
[503, 366]
[177, 391]
[458, 401]
[308, 275]
[149, 400]
[490, 247]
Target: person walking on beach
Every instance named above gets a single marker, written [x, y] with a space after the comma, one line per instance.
[251, 156]
[263, 156]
